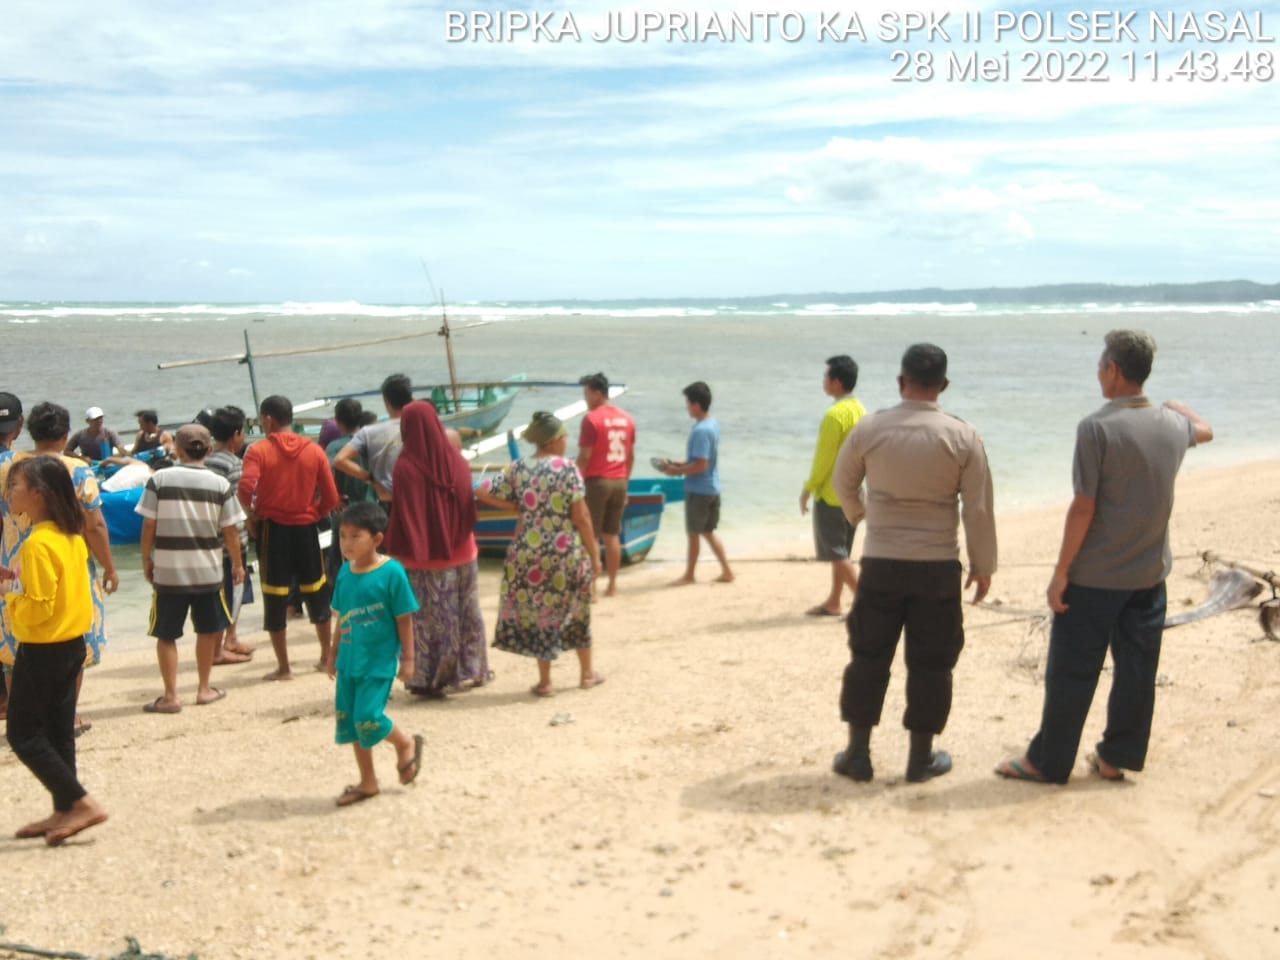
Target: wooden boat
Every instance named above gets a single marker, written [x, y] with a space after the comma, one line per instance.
[641, 518]
[474, 409]
[640, 522]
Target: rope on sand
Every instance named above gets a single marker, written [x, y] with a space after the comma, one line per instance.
[132, 952]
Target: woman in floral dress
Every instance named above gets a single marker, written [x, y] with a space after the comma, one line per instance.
[553, 557]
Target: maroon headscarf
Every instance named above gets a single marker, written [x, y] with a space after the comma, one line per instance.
[433, 508]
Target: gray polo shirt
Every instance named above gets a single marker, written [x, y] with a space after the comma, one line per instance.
[379, 444]
[1127, 456]
[920, 463]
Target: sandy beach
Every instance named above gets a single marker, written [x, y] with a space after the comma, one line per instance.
[686, 808]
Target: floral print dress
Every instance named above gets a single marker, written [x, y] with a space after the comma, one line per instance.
[14, 529]
[546, 582]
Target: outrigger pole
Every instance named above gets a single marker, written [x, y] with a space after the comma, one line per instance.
[249, 356]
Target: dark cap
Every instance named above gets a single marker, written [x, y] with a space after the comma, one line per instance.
[193, 440]
[10, 412]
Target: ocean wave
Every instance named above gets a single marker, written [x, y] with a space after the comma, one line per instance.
[505, 311]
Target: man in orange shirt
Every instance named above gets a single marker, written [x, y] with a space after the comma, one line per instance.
[286, 487]
[606, 454]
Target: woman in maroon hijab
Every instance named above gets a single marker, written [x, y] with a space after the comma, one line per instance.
[433, 519]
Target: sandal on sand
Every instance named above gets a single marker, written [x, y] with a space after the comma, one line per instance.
[159, 706]
[538, 690]
[1019, 769]
[592, 681]
[354, 794]
[821, 611]
[218, 694]
[409, 772]
[1095, 763]
[275, 676]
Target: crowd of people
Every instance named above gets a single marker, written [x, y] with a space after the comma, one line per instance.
[401, 504]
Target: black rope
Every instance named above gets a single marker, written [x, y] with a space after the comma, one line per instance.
[133, 951]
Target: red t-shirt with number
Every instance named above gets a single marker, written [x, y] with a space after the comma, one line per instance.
[611, 435]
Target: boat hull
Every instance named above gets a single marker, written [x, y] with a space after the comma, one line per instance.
[118, 510]
[640, 522]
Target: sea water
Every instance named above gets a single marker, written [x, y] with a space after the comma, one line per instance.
[1023, 376]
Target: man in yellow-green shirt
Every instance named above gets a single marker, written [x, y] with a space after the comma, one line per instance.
[832, 533]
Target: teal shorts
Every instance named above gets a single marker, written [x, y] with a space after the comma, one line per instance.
[360, 709]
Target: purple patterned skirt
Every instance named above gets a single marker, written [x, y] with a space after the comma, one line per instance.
[448, 630]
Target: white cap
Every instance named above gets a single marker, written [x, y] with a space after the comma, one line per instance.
[93, 413]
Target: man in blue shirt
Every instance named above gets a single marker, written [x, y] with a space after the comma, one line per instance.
[701, 483]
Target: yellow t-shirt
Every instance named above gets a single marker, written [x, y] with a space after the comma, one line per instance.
[841, 417]
[55, 603]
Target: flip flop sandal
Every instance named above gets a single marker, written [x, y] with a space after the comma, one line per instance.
[1095, 766]
[409, 772]
[353, 794]
[1014, 770]
[218, 694]
[159, 706]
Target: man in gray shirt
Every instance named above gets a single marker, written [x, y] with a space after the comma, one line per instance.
[1108, 589]
[917, 462]
[379, 443]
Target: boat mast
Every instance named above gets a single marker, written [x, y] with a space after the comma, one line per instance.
[448, 350]
[253, 377]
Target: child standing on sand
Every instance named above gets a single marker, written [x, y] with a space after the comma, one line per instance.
[52, 609]
[373, 605]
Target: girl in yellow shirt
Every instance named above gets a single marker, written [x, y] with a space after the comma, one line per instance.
[51, 609]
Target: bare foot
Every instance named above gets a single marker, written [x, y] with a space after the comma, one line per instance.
[232, 646]
[683, 581]
[84, 813]
[593, 680]
[725, 578]
[40, 827]
[541, 690]
[612, 591]
[276, 675]
[229, 656]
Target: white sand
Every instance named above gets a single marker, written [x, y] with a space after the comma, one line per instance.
[688, 810]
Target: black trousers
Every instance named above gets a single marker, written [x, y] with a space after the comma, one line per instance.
[1131, 624]
[42, 715]
[922, 598]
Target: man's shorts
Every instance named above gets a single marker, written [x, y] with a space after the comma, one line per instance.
[832, 533]
[606, 498]
[169, 614]
[360, 709]
[701, 512]
[288, 557]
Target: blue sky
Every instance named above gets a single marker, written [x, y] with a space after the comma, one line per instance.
[316, 150]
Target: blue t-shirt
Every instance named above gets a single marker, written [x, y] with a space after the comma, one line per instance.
[368, 604]
[704, 442]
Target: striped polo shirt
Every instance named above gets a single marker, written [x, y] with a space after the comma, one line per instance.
[190, 505]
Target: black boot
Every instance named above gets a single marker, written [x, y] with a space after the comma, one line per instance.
[855, 763]
[925, 763]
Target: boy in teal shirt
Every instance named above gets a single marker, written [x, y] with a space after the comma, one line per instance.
[373, 605]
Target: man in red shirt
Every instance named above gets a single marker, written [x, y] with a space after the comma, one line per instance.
[606, 453]
[286, 487]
